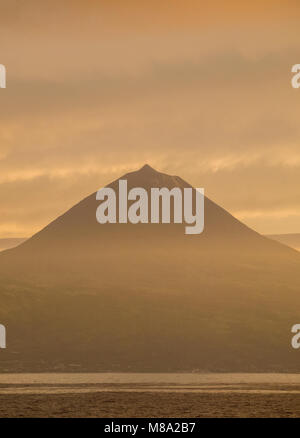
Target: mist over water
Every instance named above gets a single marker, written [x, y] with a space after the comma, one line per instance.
[97, 382]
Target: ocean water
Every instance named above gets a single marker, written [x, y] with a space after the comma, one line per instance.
[130, 395]
[62, 383]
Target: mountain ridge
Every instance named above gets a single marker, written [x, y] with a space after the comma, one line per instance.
[146, 177]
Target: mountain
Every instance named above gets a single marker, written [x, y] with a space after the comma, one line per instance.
[147, 297]
[11, 242]
[292, 240]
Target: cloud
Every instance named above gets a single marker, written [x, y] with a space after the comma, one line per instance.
[87, 103]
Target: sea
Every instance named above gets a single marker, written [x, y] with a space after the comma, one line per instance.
[131, 395]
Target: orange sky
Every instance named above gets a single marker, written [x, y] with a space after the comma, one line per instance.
[97, 88]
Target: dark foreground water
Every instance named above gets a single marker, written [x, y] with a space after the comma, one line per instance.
[149, 395]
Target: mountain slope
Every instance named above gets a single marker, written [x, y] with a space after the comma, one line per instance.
[292, 240]
[10, 242]
[148, 296]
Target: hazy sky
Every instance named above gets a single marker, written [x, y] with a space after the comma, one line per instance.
[98, 88]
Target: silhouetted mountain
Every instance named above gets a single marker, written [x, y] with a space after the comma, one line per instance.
[10, 242]
[292, 240]
[148, 296]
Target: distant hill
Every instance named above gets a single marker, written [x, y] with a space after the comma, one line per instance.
[292, 240]
[147, 297]
[10, 242]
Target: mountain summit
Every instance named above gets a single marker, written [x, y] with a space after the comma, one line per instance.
[147, 296]
[77, 229]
